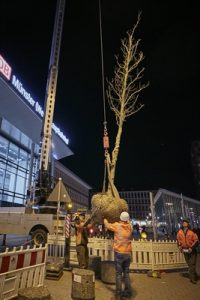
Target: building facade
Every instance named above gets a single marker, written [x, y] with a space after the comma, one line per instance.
[20, 131]
[138, 203]
[171, 208]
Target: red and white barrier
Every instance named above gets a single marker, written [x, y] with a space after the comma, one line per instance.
[21, 269]
[18, 259]
[67, 225]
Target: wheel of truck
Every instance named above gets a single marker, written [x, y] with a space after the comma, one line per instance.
[39, 236]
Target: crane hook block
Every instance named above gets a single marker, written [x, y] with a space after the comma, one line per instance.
[106, 142]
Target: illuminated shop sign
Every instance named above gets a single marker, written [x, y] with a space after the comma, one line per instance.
[19, 87]
[6, 70]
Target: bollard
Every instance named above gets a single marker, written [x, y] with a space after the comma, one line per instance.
[108, 273]
[34, 293]
[95, 265]
[83, 284]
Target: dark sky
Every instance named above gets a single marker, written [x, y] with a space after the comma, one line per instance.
[156, 142]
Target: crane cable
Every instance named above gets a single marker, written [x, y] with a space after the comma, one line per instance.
[105, 137]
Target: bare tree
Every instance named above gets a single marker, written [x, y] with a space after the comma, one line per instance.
[123, 93]
[124, 90]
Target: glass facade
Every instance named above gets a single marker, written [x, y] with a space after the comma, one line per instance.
[19, 153]
[138, 203]
[15, 158]
[18, 156]
[171, 208]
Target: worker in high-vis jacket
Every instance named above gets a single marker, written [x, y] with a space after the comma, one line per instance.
[187, 242]
[122, 247]
[82, 226]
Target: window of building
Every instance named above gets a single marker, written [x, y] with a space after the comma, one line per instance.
[2, 175]
[9, 182]
[14, 165]
[37, 149]
[13, 152]
[23, 159]
[6, 126]
[20, 185]
[3, 147]
[19, 200]
[6, 196]
[15, 133]
[25, 140]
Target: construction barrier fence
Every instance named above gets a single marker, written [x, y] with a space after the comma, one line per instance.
[146, 255]
[21, 268]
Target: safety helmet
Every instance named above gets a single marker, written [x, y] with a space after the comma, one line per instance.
[124, 216]
[186, 220]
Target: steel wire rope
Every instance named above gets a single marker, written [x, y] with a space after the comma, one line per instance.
[106, 141]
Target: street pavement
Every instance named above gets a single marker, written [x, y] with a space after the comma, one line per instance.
[171, 286]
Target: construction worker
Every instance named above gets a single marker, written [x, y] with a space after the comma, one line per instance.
[122, 249]
[81, 231]
[187, 242]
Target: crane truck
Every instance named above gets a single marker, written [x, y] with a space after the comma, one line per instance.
[25, 221]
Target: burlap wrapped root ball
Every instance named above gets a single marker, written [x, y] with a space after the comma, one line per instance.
[106, 206]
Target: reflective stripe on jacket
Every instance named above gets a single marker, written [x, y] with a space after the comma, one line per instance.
[187, 240]
[122, 236]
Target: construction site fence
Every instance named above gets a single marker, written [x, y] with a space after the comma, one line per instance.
[146, 255]
[21, 268]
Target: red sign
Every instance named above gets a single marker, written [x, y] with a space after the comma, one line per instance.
[5, 69]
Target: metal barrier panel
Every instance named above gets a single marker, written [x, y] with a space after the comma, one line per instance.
[146, 255]
[166, 255]
[56, 247]
[157, 255]
[20, 269]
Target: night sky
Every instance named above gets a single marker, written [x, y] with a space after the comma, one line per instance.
[156, 142]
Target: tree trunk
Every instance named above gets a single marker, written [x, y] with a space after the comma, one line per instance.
[115, 153]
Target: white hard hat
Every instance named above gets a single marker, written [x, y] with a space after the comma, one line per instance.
[124, 216]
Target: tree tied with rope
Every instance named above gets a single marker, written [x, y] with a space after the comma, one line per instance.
[122, 94]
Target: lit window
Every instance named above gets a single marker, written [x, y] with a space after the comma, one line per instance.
[3, 147]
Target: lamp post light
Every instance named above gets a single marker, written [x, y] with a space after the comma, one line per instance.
[69, 206]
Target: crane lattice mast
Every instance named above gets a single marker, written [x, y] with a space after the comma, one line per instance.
[46, 135]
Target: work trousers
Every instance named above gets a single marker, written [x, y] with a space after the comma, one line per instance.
[190, 259]
[82, 256]
[122, 264]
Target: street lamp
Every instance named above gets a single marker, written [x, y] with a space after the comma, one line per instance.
[69, 206]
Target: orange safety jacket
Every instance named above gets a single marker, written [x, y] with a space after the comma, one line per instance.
[187, 240]
[122, 236]
[81, 233]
